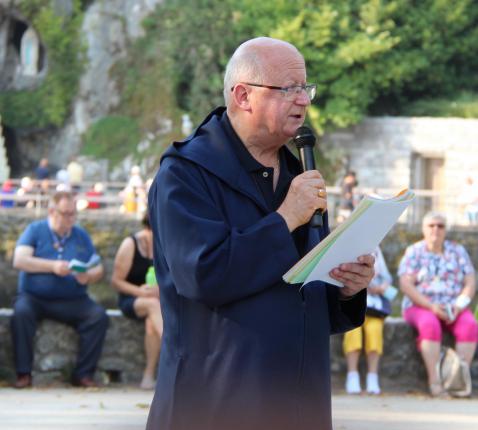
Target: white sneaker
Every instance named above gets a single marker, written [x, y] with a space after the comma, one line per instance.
[372, 383]
[352, 384]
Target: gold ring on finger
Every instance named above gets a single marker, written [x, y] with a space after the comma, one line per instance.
[321, 192]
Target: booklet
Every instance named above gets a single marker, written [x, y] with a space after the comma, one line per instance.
[390, 293]
[81, 267]
[360, 234]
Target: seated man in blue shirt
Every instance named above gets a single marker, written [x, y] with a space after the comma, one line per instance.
[48, 288]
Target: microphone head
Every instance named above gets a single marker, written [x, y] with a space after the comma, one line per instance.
[304, 137]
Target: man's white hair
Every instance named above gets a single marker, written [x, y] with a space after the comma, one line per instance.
[249, 64]
[244, 65]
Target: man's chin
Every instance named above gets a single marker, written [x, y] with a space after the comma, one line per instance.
[291, 130]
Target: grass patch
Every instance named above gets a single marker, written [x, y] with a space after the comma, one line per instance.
[112, 137]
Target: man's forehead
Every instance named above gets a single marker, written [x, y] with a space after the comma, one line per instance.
[285, 63]
[66, 202]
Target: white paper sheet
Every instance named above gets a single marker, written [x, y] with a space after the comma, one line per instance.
[360, 234]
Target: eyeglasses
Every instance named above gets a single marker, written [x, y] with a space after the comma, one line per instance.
[69, 214]
[440, 226]
[291, 92]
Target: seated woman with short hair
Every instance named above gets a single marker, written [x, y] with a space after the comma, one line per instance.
[438, 280]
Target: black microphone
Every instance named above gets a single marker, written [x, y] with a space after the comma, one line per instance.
[304, 140]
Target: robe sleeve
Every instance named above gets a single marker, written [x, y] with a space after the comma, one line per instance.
[345, 315]
[210, 260]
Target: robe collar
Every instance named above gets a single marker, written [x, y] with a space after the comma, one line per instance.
[209, 146]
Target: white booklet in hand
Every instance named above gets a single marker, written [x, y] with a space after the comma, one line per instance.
[81, 267]
[360, 234]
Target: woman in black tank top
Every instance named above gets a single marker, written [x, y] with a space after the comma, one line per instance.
[137, 299]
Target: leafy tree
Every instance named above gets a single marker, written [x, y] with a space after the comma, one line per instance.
[365, 55]
[370, 55]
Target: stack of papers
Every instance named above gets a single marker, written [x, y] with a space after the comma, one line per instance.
[360, 234]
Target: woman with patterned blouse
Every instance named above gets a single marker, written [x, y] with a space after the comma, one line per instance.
[438, 282]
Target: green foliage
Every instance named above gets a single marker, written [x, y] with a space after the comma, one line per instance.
[146, 90]
[366, 56]
[197, 38]
[49, 104]
[464, 105]
[112, 137]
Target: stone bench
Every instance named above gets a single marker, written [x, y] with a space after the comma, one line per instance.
[122, 359]
[401, 366]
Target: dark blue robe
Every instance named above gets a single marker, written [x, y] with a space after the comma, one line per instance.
[241, 350]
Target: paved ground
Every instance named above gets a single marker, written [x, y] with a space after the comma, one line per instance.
[404, 412]
[127, 409]
[73, 409]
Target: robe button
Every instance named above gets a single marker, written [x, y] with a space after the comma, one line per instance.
[265, 174]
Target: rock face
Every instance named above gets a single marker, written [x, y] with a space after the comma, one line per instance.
[23, 63]
[109, 27]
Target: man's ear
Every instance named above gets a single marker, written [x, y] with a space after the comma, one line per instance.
[240, 95]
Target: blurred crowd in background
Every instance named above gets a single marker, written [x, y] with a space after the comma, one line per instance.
[31, 192]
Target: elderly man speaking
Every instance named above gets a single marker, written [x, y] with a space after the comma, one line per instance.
[229, 210]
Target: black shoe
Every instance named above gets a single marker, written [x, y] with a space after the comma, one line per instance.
[85, 382]
[24, 380]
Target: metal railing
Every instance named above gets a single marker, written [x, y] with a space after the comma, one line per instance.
[113, 200]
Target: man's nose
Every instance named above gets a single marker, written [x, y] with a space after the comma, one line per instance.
[303, 99]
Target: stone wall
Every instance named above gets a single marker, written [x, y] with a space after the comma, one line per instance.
[401, 366]
[392, 153]
[122, 359]
[123, 353]
[380, 149]
[108, 232]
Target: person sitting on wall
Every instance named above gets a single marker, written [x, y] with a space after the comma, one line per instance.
[133, 276]
[75, 173]
[7, 190]
[94, 195]
[26, 188]
[378, 307]
[49, 288]
[437, 279]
